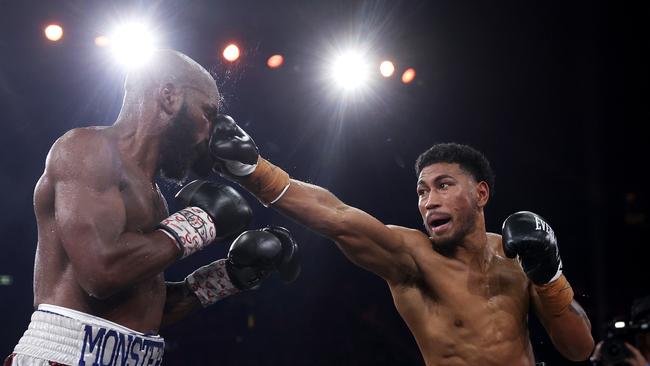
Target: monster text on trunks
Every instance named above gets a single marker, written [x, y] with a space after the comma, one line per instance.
[108, 347]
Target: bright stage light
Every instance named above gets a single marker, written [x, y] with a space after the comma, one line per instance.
[408, 75]
[386, 68]
[132, 44]
[350, 70]
[275, 61]
[53, 32]
[231, 52]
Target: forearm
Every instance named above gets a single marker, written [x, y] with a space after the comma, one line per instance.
[308, 204]
[313, 207]
[130, 259]
[180, 303]
[363, 239]
[571, 333]
[567, 325]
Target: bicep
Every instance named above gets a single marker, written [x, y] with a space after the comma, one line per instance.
[87, 218]
[88, 210]
[379, 248]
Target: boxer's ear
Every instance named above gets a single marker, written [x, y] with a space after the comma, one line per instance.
[482, 193]
[170, 98]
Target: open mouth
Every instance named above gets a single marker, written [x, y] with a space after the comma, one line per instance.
[439, 222]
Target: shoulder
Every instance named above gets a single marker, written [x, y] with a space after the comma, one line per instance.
[408, 234]
[84, 153]
[495, 242]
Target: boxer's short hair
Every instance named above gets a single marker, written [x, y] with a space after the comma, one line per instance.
[469, 159]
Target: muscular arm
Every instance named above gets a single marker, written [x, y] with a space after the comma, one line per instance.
[570, 331]
[362, 238]
[91, 218]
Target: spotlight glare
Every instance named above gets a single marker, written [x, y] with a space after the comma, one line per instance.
[350, 71]
[132, 44]
[619, 325]
[102, 41]
[408, 75]
[275, 61]
[386, 68]
[231, 52]
[53, 32]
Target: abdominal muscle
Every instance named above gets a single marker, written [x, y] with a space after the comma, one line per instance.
[465, 318]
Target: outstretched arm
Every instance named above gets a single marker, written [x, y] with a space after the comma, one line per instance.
[365, 240]
[362, 238]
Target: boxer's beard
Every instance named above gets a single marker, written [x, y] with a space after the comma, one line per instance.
[447, 245]
[178, 150]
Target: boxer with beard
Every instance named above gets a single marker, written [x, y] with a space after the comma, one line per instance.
[105, 235]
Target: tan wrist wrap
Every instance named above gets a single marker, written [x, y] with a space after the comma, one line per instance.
[268, 182]
[555, 296]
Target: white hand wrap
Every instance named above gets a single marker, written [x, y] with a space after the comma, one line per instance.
[191, 227]
[211, 283]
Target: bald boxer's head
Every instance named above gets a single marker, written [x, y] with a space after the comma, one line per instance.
[173, 99]
[454, 184]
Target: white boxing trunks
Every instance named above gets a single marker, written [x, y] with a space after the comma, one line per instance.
[58, 335]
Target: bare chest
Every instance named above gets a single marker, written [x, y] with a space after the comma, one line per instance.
[144, 204]
[477, 317]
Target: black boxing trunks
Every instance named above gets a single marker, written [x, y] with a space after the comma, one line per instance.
[59, 336]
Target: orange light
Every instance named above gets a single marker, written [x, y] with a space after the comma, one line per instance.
[275, 61]
[102, 41]
[408, 75]
[231, 52]
[53, 32]
[386, 68]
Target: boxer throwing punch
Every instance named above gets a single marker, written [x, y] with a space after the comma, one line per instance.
[460, 289]
[105, 235]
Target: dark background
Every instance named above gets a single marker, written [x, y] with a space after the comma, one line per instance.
[554, 93]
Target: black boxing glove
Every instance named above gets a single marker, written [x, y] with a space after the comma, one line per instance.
[236, 156]
[529, 236]
[288, 263]
[213, 212]
[255, 254]
[233, 150]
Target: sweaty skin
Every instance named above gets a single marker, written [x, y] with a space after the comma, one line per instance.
[463, 300]
[97, 203]
[81, 205]
[463, 314]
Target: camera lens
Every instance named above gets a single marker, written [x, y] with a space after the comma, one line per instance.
[614, 350]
